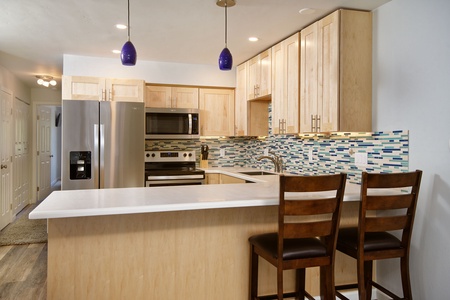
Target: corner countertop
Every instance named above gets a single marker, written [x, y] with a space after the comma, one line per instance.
[100, 202]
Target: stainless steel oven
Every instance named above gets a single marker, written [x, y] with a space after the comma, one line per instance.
[171, 168]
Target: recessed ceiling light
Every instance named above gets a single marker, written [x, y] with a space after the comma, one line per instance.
[116, 51]
[253, 39]
[306, 11]
[121, 26]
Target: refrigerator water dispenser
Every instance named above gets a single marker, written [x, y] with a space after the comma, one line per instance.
[80, 165]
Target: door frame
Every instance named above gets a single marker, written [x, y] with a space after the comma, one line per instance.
[35, 160]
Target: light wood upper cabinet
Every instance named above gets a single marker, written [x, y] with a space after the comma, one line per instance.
[171, 97]
[285, 86]
[335, 73]
[102, 89]
[259, 75]
[240, 113]
[216, 112]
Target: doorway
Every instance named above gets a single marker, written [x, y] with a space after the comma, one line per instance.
[48, 150]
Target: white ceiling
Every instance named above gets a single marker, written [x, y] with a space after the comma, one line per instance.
[34, 34]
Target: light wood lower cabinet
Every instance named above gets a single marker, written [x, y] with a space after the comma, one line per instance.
[222, 179]
[190, 255]
[216, 112]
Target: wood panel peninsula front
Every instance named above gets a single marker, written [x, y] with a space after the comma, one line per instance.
[186, 242]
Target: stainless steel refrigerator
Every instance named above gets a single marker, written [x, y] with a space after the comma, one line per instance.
[103, 144]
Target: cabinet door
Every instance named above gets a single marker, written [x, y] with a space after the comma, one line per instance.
[125, 90]
[216, 112]
[285, 83]
[265, 80]
[278, 76]
[260, 75]
[83, 88]
[240, 115]
[158, 96]
[328, 73]
[253, 77]
[291, 94]
[184, 97]
[308, 77]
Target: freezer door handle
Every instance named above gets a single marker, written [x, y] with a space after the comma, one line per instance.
[102, 156]
[95, 158]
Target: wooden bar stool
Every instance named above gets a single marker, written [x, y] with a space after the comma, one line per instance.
[301, 243]
[389, 210]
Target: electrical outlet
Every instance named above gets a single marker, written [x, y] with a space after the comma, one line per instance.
[361, 159]
[266, 151]
[222, 152]
[310, 155]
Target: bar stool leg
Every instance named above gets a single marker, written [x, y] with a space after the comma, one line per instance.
[253, 275]
[406, 283]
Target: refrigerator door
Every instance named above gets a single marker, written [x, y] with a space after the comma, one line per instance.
[79, 157]
[122, 144]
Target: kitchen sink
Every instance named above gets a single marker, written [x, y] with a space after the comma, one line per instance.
[254, 173]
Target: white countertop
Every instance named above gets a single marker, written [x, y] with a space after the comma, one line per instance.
[100, 202]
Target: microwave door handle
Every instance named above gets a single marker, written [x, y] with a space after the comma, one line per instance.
[190, 123]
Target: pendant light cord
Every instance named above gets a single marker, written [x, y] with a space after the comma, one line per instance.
[128, 20]
[226, 26]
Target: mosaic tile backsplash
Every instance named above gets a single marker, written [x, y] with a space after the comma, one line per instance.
[386, 152]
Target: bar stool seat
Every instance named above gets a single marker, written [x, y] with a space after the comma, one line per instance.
[348, 239]
[293, 249]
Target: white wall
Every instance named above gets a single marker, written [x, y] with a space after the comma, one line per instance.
[150, 71]
[412, 91]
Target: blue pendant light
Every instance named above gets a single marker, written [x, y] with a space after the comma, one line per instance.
[225, 57]
[128, 54]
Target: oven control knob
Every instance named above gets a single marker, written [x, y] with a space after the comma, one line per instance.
[184, 154]
[153, 154]
[190, 154]
[147, 155]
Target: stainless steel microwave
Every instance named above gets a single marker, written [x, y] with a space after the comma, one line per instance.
[172, 123]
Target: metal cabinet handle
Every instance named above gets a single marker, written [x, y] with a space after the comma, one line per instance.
[313, 123]
[318, 123]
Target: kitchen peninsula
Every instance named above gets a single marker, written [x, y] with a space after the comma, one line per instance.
[186, 242]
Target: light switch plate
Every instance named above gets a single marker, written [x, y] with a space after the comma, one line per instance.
[310, 155]
[222, 152]
[361, 159]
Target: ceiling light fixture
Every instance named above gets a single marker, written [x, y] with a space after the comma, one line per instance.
[306, 11]
[45, 80]
[225, 57]
[128, 54]
[253, 39]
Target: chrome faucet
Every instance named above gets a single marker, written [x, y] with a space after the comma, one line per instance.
[277, 161]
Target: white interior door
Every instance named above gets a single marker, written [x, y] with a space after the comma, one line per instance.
[44, 153]
[21, 181]
[6, 101]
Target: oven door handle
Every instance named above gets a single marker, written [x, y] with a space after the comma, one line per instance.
[190, 123]
[175, 177]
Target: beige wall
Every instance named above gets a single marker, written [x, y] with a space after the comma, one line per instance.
[10, 82]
